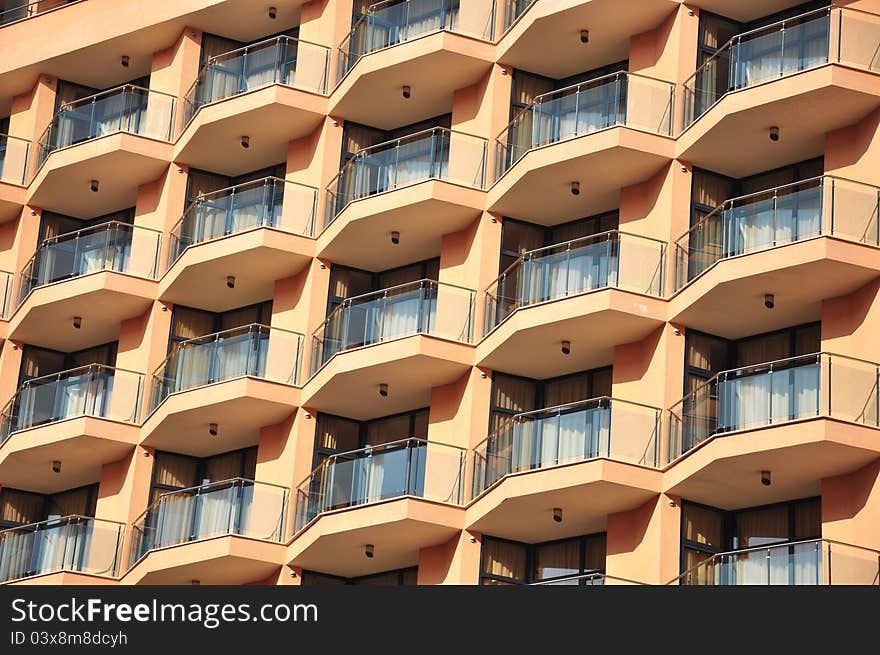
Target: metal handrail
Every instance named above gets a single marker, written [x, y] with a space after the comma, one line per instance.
[529, 254]
[430, 130]
[211, 337]
[70, 371]
[367, 450]
[524, 416]
[765, 28]
[61, 519]
[785, 544]
[772, 190]
[30, 14]
[258, 45]
[108, 92]
[192, 490]
[537, 100]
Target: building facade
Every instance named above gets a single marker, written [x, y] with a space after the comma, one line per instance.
[440, 292]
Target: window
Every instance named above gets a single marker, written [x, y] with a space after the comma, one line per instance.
[515, 395]
[189, 323]
[706, 530]
[199, 182]
[346, 282]
[337, 434]
[173, 472]
[19, 507]
[505, 562]
[399, 578]
[706, 355]
[37, 362]
[518, 237]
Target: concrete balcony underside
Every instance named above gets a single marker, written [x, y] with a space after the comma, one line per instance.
[239, 407]
[103, 300]
[728, 298]
[224, 560]
[520, 505]
[431, 65]
[90, 53]
[256, 258]
[529, 341]
[725, 471]
[12, 199]
[82, 445]
[422, 213]
[546, 38]
[334, 541]
[347, 385]
[731, 137]
[624, 156]
[121, 162]
[743, 10]
[271, 116]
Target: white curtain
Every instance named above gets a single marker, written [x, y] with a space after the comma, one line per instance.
[214, 509]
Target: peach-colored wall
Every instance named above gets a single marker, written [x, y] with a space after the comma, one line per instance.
[850, 504]
[643, 543]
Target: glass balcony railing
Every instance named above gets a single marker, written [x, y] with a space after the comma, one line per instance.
[409, 467]
[829, 206]
[13, 159]
[810, 562]
[511, 10]
[422, 307]
[93, 390]
[17, 10]
[79, 544]
[240, 507]
[576, 432]
[279, 60]
[127, 108]
[618, 99]
[609, 259]
[7, 280]
[392, 22]
[435, 154]
[256, 351]
[772, 393]
[112, 246]
[585, 580]
[827, 35]
[269, 202]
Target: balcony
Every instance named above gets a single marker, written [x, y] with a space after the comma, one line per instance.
[239, 380]
[103, 274]
[543, 37]
[227, 532]
[591, 458]
[823, 229]
[802, 563]
[272, 91]
[411, 337]
[84, 418]
[609, 286]
[429, 45]
[423, 185]
[25, 10]
[119, 138]
[586, 580]
[804, 419]
[258, 232]
[619, 123]
[399, 496]
[75, 548]
[821, 64]
[13, 163]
